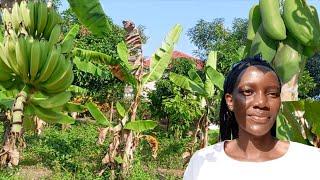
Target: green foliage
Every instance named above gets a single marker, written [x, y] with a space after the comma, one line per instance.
[105, 84]
[306, 85]
[91, 14]
[313, 66]
[182, 112]
[71, 154]
[97, 114]
[165, 87]
[209, 36]
[140, 125]
[161, 58]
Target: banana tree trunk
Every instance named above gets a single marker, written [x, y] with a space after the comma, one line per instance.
[130, 141]
[13, 142]
[289, 90]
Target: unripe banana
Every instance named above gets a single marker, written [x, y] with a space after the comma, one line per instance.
[50, 66]
[33, 18]
[10, 52]
[51, 22]
[35, 60]
[288, 59]
[264, 45]
[55, 35]
[44, 46]
[25, 13]
[16, 16]
[6, 18]
[22, 59]
[300, 22]
[272, 22]
[42, 18]
[254, 21]
[58, 76]
[4, 59]
[64, 83]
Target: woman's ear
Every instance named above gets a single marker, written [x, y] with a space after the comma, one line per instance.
[228, 98]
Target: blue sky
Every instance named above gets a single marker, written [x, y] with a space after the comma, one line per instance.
[158, 16]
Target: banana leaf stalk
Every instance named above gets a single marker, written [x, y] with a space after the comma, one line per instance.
[13, 140]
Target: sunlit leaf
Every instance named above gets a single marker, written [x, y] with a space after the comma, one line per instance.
[97, 114]
[91, 14]
[141, 125]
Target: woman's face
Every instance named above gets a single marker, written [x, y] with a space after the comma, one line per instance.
[255, 100]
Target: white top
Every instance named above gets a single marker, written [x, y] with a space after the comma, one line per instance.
[299, 162]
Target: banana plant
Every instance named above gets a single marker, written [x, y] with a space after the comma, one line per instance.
[204, 90]
[129, 125]
[299, 121]
[36, 63]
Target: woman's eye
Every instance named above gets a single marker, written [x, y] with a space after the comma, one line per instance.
[247, 92]
[274, 94]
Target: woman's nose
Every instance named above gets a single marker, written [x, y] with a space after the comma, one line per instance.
[260, 100]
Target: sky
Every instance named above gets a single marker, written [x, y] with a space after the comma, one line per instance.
[159, 16]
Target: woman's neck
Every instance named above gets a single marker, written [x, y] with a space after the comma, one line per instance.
[252, 148]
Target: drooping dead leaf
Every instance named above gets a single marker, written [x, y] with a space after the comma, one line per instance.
[102, 135]
[154, 144]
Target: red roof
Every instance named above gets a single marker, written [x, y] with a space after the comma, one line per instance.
[178, 54]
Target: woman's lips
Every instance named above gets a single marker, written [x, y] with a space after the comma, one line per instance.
[259, 119]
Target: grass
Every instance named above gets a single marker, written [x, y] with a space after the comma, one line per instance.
[74, 154]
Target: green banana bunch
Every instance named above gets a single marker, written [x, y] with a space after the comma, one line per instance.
[288, 59]
[52, 20]
[49, 65]
[34, 18]
[254, 21]
[272, 22]
[307, 32]
[42, 16]
[263, 45]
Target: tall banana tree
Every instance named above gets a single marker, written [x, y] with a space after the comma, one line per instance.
[125, 134]
[204, 90]
[36, 63]
[276, 31]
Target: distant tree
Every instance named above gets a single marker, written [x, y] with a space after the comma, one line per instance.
[313, 66]
[214, 35]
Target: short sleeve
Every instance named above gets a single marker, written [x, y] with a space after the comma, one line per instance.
[192, 169]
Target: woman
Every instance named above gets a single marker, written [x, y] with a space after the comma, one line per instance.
[249, 149]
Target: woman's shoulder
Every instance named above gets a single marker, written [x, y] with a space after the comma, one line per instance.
[303, 152]
[209, 152]
[299, 147]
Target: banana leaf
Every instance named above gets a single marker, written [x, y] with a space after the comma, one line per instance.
[194, 76]
[73, 107]
[211, 62]
[186, 83]
[121, 110]
[161, 59]
[124, 54]
[215, 77]
[72, 33]
[97, 114]
[141, 125]
[294, 134]
[93, 56]
[312, 115]
[89, 67]
[77, 89]
[91, 14]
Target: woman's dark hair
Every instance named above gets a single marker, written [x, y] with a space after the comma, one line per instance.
[228, 125]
